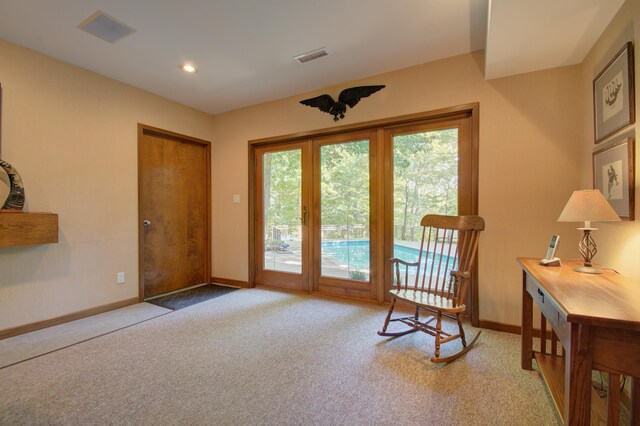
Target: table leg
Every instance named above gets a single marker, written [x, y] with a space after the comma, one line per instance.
[635, 401]
[526, 351]
[543, 334]
[577, 376]
[613, 400]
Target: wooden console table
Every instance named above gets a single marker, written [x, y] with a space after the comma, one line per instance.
[597, 320]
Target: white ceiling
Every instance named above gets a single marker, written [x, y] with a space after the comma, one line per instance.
[532, 35]
[244, 48]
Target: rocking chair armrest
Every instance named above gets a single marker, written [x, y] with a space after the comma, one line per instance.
[397, 262]
[402, 262]
[465, 274]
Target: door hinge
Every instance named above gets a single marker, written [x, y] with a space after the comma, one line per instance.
[255, 160]
[256, 270]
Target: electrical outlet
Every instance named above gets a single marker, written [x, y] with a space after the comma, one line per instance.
[120, 277]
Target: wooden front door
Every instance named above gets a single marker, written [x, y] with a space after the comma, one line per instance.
[174, 211]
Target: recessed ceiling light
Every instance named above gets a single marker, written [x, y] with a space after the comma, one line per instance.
[188, 68]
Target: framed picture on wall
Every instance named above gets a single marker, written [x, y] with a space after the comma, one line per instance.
[613, 175]
[613, 95]
[0, 120]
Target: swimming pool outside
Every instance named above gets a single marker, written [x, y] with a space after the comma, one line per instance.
[342, 258]
[355, 254]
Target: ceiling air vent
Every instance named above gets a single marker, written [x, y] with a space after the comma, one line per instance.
[310, 56]
[105, 27]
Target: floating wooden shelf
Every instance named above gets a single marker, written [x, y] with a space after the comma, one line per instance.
[21, 228]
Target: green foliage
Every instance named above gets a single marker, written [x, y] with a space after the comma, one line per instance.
[282, 191]
[425, 181]
[273, 245]
[425, 178]
[344, 180]
[358, 275]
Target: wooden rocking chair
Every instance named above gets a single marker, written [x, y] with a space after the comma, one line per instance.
[442, 274]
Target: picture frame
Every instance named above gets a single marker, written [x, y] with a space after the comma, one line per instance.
[614, 95]
[0, 120]
[614, 176]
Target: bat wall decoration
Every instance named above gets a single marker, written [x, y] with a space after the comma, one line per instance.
[350, 96]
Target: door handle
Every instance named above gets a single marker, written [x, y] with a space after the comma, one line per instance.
[303, 219]
[146, 223]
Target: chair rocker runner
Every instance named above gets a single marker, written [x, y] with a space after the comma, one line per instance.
[438, 281]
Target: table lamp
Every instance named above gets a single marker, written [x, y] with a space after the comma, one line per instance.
[588, 205]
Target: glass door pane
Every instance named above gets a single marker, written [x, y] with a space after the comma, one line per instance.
[425, 181]
[344, 210]
[282, 210]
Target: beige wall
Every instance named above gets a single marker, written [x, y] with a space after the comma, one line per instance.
[72, 135]
[618, 243]
[528, 167]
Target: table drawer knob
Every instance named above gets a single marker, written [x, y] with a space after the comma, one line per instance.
[541, 294]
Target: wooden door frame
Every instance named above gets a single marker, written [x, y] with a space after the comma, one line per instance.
[144, 129]
[470, 110]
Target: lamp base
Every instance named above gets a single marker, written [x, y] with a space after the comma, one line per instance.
[588, 270]
[588, 249]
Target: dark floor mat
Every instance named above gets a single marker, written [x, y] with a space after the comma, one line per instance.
[190, 297]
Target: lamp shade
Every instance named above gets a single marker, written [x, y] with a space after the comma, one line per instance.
[588, 205]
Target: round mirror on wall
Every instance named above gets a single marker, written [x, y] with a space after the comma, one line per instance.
[5, 186]
[11, 189]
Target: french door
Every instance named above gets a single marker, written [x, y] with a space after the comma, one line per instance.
[313, 215]
[344, 202]
[282, 203]
[431, 171]
[331, 207]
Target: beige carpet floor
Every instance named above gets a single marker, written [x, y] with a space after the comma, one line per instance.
[263, 357]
